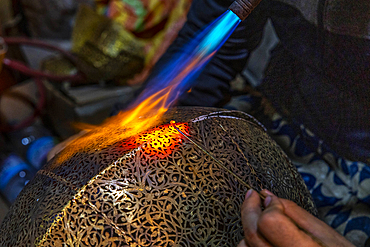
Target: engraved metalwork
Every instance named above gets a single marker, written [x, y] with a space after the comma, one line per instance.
[157, 188]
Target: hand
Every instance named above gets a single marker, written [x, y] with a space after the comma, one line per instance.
[278, 224]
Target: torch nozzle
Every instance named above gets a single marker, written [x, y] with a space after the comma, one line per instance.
[242, 8]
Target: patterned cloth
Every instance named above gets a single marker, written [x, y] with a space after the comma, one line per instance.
[155, 22]
[339, 187]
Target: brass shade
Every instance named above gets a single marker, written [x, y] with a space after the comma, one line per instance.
[156, 188]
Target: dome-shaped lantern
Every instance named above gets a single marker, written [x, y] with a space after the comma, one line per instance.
[180, 183]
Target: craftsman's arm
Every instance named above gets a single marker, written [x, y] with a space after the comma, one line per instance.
[212, 86]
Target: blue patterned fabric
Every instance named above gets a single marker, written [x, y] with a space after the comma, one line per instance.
[339, 187]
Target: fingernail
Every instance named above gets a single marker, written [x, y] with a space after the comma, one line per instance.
[249, 193]
[268, 192]
[267, 201]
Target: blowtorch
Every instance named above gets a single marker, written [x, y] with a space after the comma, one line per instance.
[242, 8]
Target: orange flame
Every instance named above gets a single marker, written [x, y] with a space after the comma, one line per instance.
[145, 115]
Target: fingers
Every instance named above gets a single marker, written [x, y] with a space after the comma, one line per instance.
[284, 223]
[251, 212]
[313, 225]
[277, 228]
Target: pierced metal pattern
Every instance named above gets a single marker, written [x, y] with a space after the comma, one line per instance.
[157, 188]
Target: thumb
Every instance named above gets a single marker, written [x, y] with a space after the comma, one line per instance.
[272, 202]
[282, 230]
[242, 244]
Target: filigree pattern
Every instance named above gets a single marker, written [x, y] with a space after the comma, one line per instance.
[138, 193]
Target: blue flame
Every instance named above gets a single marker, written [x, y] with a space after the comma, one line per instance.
[181, 71]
